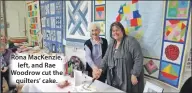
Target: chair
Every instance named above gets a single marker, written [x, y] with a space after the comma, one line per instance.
[150, 87]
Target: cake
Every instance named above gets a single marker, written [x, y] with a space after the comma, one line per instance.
[63, 84]
[85, 88]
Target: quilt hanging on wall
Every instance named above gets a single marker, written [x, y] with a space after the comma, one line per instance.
[141, 20]
[33, 21]
[162, 45]
[100, 15]
[52, 25]
[177, 17]
[78, 17]
[1, 30]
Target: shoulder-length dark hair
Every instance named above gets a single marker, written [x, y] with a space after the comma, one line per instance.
[117, 24]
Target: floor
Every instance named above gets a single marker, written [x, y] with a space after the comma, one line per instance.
[5, 87]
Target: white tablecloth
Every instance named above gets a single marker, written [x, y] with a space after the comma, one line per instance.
[101, 87]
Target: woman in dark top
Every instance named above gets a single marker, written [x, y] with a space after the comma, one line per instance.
[123, 62]
[5, 61]
[95, 49]
[187, 87]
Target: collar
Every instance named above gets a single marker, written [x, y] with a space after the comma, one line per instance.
[94, 43]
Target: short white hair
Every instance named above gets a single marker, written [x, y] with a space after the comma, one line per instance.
[94, 24]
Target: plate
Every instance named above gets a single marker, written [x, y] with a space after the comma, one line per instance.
[85, 88]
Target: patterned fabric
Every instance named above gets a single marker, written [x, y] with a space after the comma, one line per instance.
[78, 15]
[33, 21]
[130, 17]
[52, 13]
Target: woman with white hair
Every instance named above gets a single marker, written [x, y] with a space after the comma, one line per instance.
[95, 49]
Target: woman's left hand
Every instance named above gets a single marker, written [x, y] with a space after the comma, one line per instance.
[134, 79]
[5, 69]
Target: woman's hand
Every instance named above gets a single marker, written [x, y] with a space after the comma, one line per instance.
[97, 73]
[95, 69]
[134, 79]
[5, 69]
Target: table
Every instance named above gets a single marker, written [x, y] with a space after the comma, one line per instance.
[101, 87]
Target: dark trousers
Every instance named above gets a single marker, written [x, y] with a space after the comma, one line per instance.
[6, 76]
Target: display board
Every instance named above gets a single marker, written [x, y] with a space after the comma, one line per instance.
[141, 19]
[100, 15]
[78, 18]
[160, 27]
[2, 30]
[34, 24]
[176, 26]
[52, 20]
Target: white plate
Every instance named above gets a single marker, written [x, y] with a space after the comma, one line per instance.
[84, 88]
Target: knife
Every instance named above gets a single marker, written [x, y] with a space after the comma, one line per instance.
[91, 82]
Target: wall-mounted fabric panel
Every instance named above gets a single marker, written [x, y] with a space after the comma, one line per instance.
[33, 21]
[78, 17]
[99, 15]
[176, 27]
[52, 25]
[161, 28]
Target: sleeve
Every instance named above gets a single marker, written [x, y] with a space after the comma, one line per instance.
[9, 57]
[2, 61]
[106, 44]
[137, 57]
[88, 57]
[104, 61]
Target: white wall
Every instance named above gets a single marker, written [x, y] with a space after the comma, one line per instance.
[16, 11]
